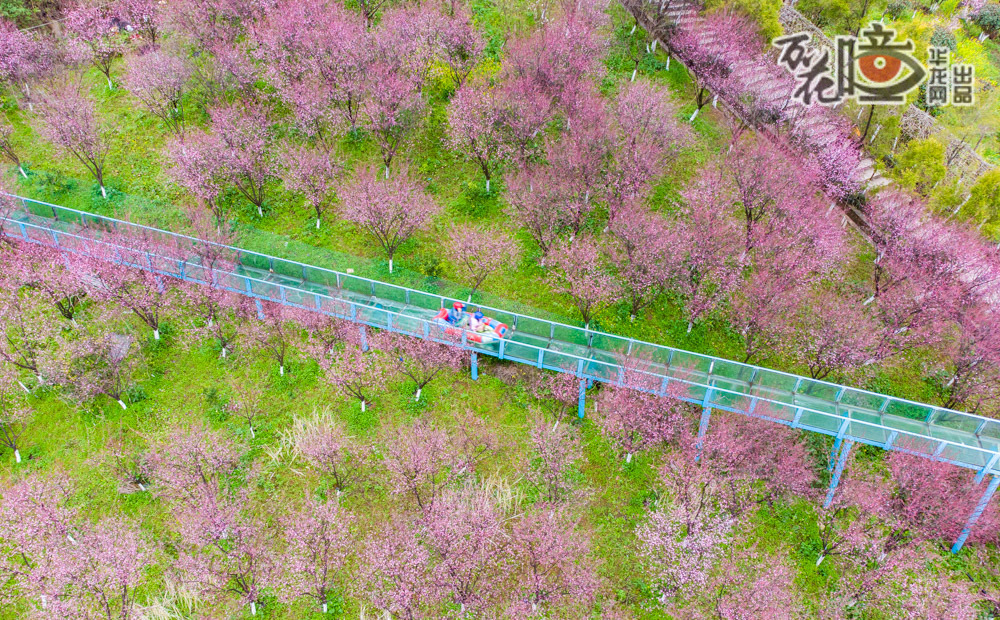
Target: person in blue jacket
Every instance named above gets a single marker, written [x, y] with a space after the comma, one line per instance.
[457, 313]
[478, 322]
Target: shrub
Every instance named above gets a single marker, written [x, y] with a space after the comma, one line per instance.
[988, 18]
[895, 8]
[943, 38]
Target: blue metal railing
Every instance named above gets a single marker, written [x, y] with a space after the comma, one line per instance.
[848, 414]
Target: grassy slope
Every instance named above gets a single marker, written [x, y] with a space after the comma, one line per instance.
[178, 380]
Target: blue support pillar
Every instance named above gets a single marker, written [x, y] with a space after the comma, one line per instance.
[980, 507]
[364, 337]
[474, 361]
[583, 397]
[836, 444]
[838, 471]
[706, 414]
[260, 308]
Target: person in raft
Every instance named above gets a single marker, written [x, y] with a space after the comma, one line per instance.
[457, 313]
[477, 322]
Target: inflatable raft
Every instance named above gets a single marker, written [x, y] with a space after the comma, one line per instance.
[493, 334]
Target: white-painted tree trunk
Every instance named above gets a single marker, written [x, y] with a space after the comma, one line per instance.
[820, 559]
[690, 326]
[24, 387]
[223, 352]
[868, 301]
[104, 193]
[156, 334]
[469, 300]
[281, 370]
[23, 173]
[122, 404]
[70, 538]
[390, 265]
[111, 85]
[324, 607]
[387, 172]
[487, 186]
[260, 212]
[317, 223]
[715, 102]
[253, 608]
[634, 71]
[555, 426]
[655, 41]
[142, 487]
[631, 318]
[253, 435]
[695, 115]
[417, 398]
[362, 406]
[628, 457]
[17, 455]
[668, 64]
[74, 323]
[631, 32]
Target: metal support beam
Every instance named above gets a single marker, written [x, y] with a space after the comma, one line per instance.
[978, 512]
[706, 413]
[364, 337]
[260, 308]
[838, 471]
[986, 468]
[583, 398]
[474, 362]
[836, 443]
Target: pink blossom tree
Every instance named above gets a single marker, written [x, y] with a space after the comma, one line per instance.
[312, 173]
[317, 54]
[219, 315]
[933, 499]
[319, 546]
[7, 147]
[555, 570]
[357, 374]
[396, 571]
[100, 364]
[141, 16]
[458, 44]
[833, 334]
[98, 37]
[49, 273]
[15, 415]
[192, 463]
[562, 388]
[478, 127]
[742, 451]
[580, 270]
[196, 167]
[26, 337]
[392, 107]
[680, 559]
[226, 551]
[855, 522]
[759, 311]
[479, 253]
[246, 155]
[24, 57]
[645, 136]
[72, 567]
[70, 121]
[634, 417]
[323, 442]
[391, 210]
[556, 450]
[968, 377]
[707, 261]
[533, 203]
[158, 79]
[640, 256]
[423, 459]
[246, 399]
[118, 270]
[750, 585]
[419, 360]
[470, 548]
[276, 332]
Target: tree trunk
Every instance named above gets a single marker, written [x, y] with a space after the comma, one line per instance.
[122, 404]
[417, 399]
